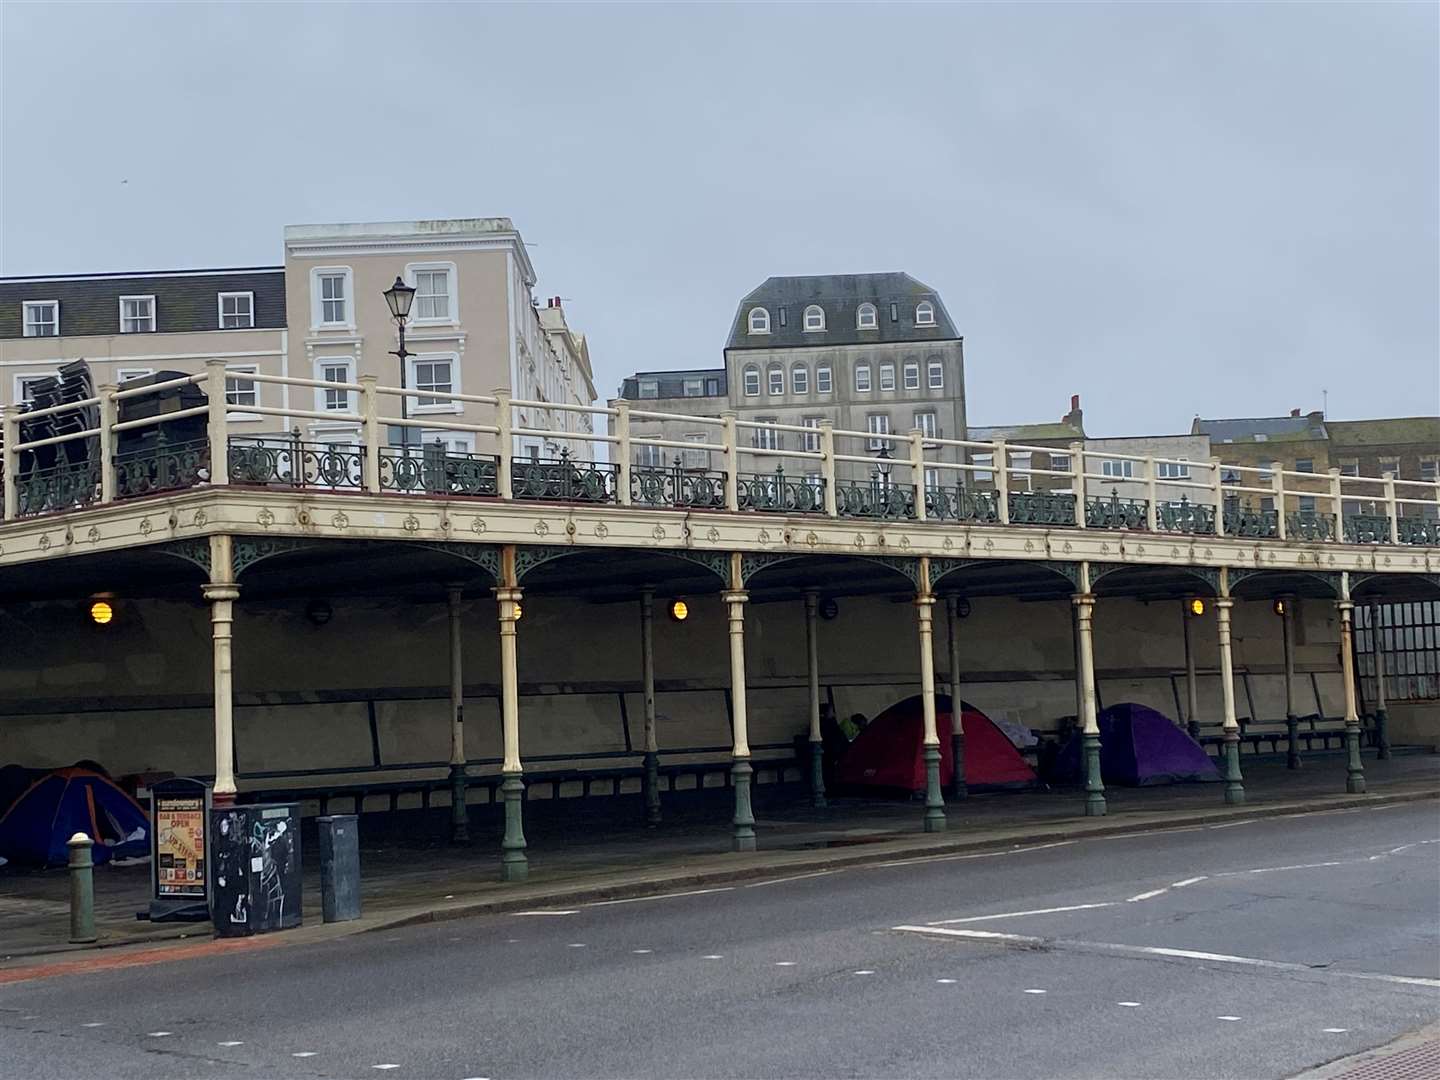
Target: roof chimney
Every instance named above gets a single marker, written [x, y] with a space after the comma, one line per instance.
[1075, 418]
[1295, 412]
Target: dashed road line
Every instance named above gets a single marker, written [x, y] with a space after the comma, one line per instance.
[1018, 914]
[661, 896]
[523, 914]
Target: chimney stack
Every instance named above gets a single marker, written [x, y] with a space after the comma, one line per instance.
[1295, 413]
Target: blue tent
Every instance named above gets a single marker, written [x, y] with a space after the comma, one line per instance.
[61, 803]
[1138, 747]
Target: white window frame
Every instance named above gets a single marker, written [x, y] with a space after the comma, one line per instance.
[455, 442]
[1060, 462]
[911, 374]
[878, 424]
[760, 325]
[811, 441]
[824, 380]
[641, 385]
[26, 325]
[452, 294]
[1431, 464]
[23, 377]
[925, 313]
[699, 457]
[153, 320]
[814, 314]
[984, 468]
[220, 299]
[125, 374]
[800, 379]
[862, 369]
[649, 455]
[1394, 462]
[697, 383]
[746, 382]
[932, 479]
[866, 317]
[1349, 466]
[322, 394]
[767, 436]
[420, 406]
[935, 374]
[235, 411]
[1117, 468]
[775, 380]
[927, 422]
[887, 372]
[317, 303]
[1169, 470]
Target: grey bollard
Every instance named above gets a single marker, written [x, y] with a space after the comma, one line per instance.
[339, 867]
[82, 890]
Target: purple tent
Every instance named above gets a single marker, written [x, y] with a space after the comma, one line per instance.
[1139, 746]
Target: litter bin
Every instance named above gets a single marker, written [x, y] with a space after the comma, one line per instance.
[255, 860]
[339, 867]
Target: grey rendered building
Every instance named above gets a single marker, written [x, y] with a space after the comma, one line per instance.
[867, 352]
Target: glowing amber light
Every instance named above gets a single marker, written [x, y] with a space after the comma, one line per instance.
[515, 607]
[679, 611]
[1279, 607]
[1197, 606]
[101, 612]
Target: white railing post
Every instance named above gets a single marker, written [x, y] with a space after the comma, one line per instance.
[1392, 508]
[917, 471]
[505, 443]
[215, 428]
[622, 432]
[828, 470]
[1077, 480]
[370, 431]
[1217, 482]
[732, 461]
[1337, 504]
[1152, 495]
[10, 465]
[108, 410]
[1279, 483]
[1001, 462]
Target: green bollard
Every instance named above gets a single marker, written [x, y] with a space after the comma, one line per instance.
[514, 866]
[817, 775]
[82, 890]
[934, 800]
[1094, 783]
[743, 824]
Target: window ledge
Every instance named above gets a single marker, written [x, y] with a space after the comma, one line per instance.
[448, 407]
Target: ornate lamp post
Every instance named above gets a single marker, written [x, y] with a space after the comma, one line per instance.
[883, 464]
[399, 297]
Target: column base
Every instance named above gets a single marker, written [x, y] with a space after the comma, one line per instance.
[1094, 782]
[934, 800]
[1354, 768]
[652, 789]
[1382, 735]
[1234, 782]
[222, 798]
[958, 788]
[1292, 742]
[817, 776]
[459, 812]
[514, 866]
[743, 824]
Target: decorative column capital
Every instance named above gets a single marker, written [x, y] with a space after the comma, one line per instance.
[924, 602]
[1223, 603]
[214, 593]
[735, 596]
[1083, 600]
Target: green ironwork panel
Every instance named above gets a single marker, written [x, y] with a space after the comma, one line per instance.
[779, 493]
[195, 552]
[752, 564]
[485, 556]
[528, 557]
[940, 567]
[717, 562]
[909, 567]
[1042, 508]
[249, 550]
[1070, 571]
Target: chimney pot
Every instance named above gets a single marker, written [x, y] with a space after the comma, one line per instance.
[1074, 402]
[1294, 412]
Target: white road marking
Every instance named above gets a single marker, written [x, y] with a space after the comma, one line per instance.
[784, 963]
[159, 1034]
[576, 945]
[793, 877]
[386, 1066]
[974, 855]
[863, 971]
[573, 911]
[1034, 991]
[94, 1023]
[1155, 950]
[946, 982]
[1129, 1004]
[303, 1053]
[230, 1042]
[1334, 1031]
[1018, 914]
[1146, 895]
[713, 956]
[1277, 869]
[1227, 1018]
[1189, 881]
[1232, 824]
[641, 952]
[661, 896]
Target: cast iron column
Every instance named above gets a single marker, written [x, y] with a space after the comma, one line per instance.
[740, 771]
[459, 812]
[1354, 769]
[222, 592]
[1090, 727]
[934, 800]
[1192, 690]
[1382, 718]
[514, 866]
[1230, 731]
[647, 677]
[958, 787]
[1292, 722]
[817, 741]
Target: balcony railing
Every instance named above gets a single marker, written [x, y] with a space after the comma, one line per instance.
[151, 447]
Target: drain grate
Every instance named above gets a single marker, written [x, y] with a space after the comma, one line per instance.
[1420, 1062]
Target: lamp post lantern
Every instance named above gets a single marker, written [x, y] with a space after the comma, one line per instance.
[399, 297]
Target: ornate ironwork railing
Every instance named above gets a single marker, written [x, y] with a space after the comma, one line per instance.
[1115, 512]
[1309, 525]
[1418, 530]
[958, 504]
[1185, 517]
[1042, 508]
[275, 461]
[874, 499]
[564, 479]
[1367, 529]
[1241, 520]
[166, 466]
[435, 470]
[60, 487]
[652, 485]
[777, 492]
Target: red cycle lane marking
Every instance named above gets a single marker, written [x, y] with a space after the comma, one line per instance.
[139, 958]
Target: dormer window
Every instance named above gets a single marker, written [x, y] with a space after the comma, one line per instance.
[759, 321]
[814, 318]
[924, 313]
[865, 317]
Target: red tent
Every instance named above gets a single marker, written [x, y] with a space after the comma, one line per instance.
[889, 753]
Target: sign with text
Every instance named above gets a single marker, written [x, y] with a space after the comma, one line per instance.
[180, 856]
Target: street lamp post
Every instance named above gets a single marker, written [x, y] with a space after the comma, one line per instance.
[883, 465]
[399, 297]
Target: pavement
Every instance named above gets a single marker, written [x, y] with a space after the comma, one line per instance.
[1256, 947]
[598, 849]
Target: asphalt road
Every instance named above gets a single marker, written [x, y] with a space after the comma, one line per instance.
[1252, 949]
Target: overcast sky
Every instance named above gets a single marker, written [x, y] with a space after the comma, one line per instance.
[1222, 209]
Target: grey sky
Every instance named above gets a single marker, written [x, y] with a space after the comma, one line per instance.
[1168, 209]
